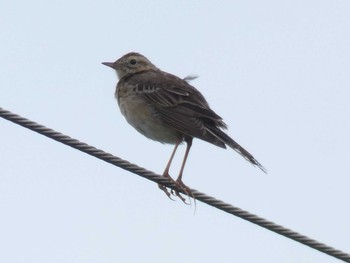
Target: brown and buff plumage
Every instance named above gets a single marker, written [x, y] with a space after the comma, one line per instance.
[168, 109]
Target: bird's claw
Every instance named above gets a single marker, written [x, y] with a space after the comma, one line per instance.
[183, 199]
[165, 190]
[179, 185]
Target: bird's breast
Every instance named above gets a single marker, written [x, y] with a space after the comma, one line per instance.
[144, 117]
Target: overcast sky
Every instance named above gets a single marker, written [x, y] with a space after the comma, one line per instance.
[276, 71]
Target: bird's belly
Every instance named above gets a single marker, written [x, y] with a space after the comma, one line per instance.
[145, 120]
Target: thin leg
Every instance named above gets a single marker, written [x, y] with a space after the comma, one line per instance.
[167, 168]
[189, 144]
[179, 182]
[166, 171]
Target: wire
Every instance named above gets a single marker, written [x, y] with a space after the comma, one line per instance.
[107, 157]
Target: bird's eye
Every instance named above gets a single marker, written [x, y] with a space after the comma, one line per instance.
[133, 62]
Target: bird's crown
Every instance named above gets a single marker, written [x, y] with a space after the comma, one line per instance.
[131, 63]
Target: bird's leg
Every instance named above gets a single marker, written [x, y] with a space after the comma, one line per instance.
[178, 181]
[166, 171]
[167, 168]
[189, 144]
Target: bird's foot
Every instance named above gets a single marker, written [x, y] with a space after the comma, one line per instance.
[180, 185]
[166, 191]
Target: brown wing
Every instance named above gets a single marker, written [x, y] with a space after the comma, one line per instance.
[183, 107]
[179, 104]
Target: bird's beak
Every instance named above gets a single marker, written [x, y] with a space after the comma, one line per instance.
[109, 64]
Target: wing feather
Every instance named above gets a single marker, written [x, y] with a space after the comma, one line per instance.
[179, 104]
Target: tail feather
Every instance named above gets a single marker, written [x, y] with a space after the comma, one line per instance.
[224, 138]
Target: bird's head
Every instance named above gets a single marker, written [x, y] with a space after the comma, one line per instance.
[130, 63]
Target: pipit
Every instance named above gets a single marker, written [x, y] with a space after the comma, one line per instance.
[168, 109]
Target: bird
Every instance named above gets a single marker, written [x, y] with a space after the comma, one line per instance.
[167, 109]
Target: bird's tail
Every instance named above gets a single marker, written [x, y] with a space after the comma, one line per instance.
[223, 137]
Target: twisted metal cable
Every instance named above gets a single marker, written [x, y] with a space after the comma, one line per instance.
[107, 157]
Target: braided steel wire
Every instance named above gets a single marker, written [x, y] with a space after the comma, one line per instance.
[107, 157]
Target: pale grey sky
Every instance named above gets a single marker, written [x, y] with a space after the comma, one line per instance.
[276, 71]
